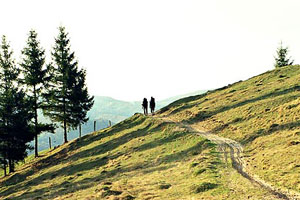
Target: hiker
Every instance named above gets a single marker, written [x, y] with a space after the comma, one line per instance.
[145, 106]
[152, 105]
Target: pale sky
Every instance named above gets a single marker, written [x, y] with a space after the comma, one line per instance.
[136, 49]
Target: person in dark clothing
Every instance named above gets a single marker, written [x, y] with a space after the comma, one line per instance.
[145, 106]
[152, 104]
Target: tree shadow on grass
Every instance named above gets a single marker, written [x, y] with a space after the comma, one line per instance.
[113, 143]
[127, 124]
[186, 106]
[202, 115]
[72, 172]
[65, 171]
[73, 169]
[17, 177]
[181, 155]
[273, 128]
[61, 155]
[67, 187]
[181, 101]
[225, 125]
[149, 170]
[162, 141]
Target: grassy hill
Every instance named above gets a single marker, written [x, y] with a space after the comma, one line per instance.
[105, 109]
[139, 158]
[151, 158]
[262, 113]
[57, 138]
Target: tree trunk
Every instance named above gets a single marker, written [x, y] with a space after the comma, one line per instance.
[65, 123]
[65, 132]
[79, 130]
[4, 168]
[36, 152]
[11, 166]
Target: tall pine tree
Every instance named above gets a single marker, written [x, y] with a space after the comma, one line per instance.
[281, 60]
[35, 77]
[15, 111]
[67, 93]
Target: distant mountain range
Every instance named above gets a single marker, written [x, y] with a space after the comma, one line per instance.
[105, 109]
[108, 108]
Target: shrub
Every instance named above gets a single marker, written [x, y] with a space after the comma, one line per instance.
[203, 187]
[199, 171]
[194, 164]
[164, 186]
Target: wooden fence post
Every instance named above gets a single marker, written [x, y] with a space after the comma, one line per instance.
[50, 142]
[79, 130]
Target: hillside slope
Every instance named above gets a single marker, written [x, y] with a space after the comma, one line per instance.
[262, 114]
[105, 109]
[139, 158]
[153, 158]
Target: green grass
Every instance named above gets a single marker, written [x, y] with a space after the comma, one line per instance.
[262, 113]
[139, 158]
[28, 159]
[147, 158]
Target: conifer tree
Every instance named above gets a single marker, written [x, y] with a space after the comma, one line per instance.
[15, 112]
[67, 93]
[35, 76]
[281, 60]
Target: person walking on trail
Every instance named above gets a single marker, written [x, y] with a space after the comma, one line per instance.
[145, 106]
[152, 105]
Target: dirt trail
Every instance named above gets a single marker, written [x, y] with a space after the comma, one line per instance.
[238, 163]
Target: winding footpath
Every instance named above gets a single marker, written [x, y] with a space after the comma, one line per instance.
[238, 163]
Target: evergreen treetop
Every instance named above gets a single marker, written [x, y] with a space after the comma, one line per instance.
[281, 60]
[33, 63]
[67, 93]
[35, 78]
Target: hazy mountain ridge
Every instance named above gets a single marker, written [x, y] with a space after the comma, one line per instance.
[117, 110]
